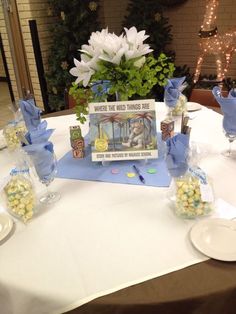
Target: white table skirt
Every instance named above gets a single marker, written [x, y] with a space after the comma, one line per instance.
[101, 237]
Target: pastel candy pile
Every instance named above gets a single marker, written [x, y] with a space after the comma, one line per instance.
[181, 106]
[20, 197]
[10, 132]
[188, 198]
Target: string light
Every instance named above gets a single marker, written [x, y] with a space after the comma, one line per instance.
[211, 43]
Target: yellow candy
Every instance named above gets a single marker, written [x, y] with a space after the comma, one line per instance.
[130, 174]
[188, 198]
[29, 207]
[20, 197]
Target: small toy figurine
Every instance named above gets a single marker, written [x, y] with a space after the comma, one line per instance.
[167, 129]
[77, 142]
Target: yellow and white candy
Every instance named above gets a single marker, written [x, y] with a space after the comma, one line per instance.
[20, 197]
[188, 198]
[180, 107]
[10, 132]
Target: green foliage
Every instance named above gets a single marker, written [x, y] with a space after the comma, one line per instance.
[82, 97]
[74, 22]
[127, 81]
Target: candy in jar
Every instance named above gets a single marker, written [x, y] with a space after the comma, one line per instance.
[191, 199]
[10, 134]
[20, 196]
[181, 106]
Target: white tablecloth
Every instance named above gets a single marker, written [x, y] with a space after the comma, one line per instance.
[101, 237]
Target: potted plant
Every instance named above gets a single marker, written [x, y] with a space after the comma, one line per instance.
[116, 67]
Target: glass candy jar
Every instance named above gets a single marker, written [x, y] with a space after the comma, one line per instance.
[10, 134]
[20, 195]
[181, 106]
[193, 197]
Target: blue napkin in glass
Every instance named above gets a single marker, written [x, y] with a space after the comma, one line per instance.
[177, 154]
[31, 113]
[43, 159]
[41, 150]
[39, 135]
[228, 107]
[173, 90]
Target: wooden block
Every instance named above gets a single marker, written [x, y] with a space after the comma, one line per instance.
[78, 153]
[167, 125]
[77, 144]
[166, 135]
[75, 132]
[167, 129]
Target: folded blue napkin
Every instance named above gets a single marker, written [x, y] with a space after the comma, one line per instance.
[228, 107]
[101, 87]
[41, 151]
[39, 135]
[173, 90]
[31, 113]
[177, 154]
[42, 157]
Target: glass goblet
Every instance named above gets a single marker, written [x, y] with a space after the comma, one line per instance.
[50, 196]
[229, 127]
[231, 137]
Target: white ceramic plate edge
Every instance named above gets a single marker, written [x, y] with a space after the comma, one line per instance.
[6, 223]
[200, 245]
[193, 106]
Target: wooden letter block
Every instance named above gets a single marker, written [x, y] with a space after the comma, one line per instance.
[75, 132]
[78, 153]
[77, 144]
[167, 129]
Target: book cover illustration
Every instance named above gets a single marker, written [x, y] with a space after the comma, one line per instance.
[123, 130]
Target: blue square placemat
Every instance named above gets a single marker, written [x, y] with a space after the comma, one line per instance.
[85, 169]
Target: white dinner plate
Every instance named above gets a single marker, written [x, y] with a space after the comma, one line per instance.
[6, 225]
[193, 106]
[215, 238]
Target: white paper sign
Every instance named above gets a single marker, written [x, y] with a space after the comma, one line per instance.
[206, 193]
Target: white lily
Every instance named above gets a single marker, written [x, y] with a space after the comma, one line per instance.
[135, 41]
[83, 71]
[114, 47]
[134, 37]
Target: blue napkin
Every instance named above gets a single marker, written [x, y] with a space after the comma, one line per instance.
[31, 114]
[43, 159]
[39, 135]
[173, 90]
[177, 154]
[101, 87]
[228, 107]
[41, 151]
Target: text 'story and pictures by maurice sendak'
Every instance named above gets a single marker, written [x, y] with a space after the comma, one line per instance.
[123, 130]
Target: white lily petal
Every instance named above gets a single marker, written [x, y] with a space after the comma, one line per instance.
[74, 72]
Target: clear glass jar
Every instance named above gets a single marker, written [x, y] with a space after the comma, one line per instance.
[20, 195]
[189, 201]
[181, 106]
[10, 134]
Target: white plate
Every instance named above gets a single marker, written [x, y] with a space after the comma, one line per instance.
[215, 238]
[6, 225]
[193, 106]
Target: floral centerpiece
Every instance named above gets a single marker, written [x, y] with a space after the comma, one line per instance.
[119, 66]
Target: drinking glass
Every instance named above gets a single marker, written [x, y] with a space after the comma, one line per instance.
[231, 137]
[50, 196]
